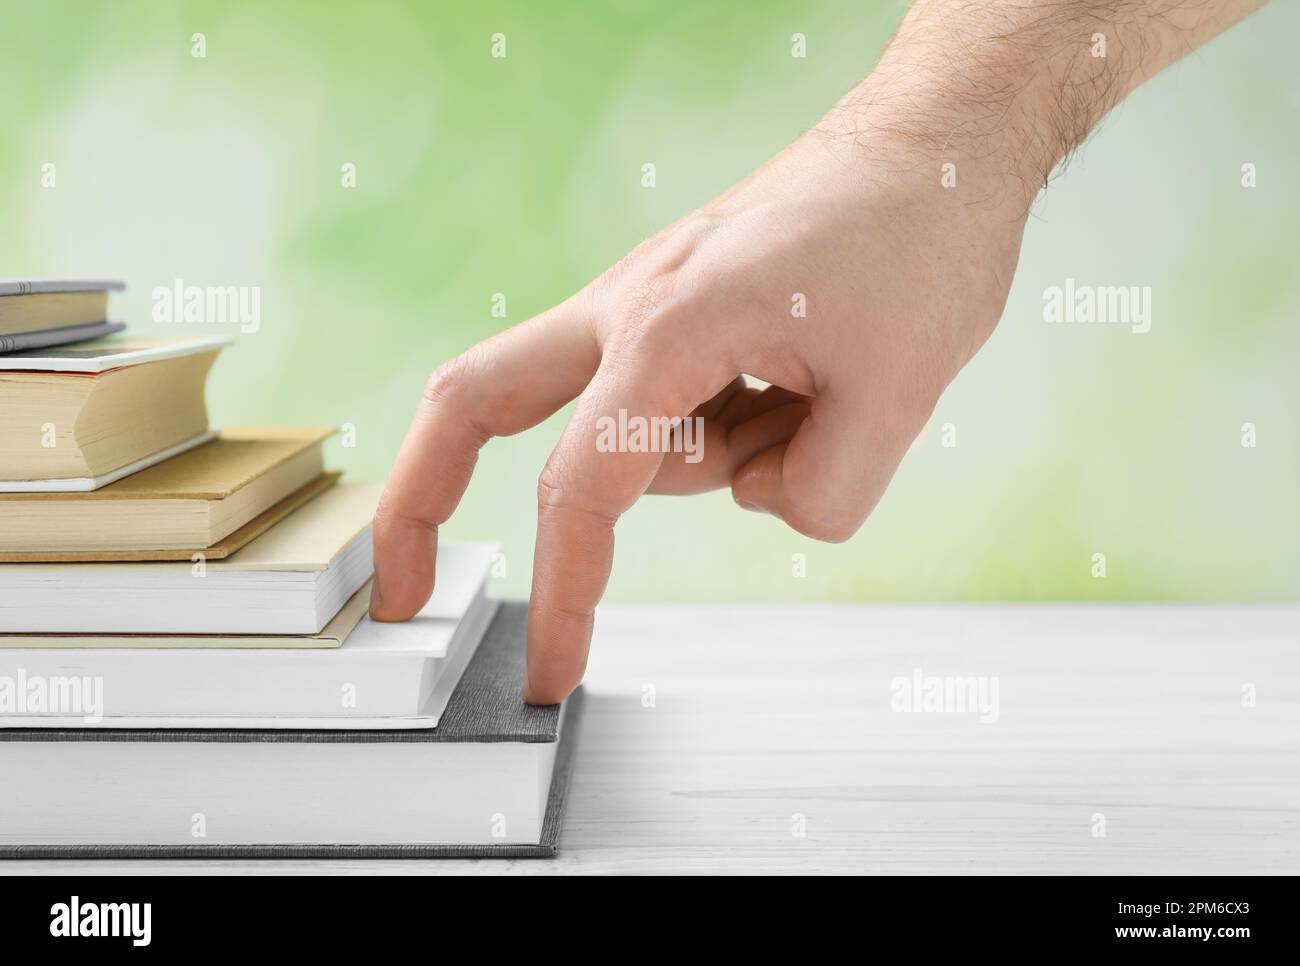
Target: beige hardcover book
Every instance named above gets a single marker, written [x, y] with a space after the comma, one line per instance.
[223, 548]
[189, 501]
[73, 417]
[31, 305]
[51, 310]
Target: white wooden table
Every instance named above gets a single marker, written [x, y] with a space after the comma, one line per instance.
[760, 739]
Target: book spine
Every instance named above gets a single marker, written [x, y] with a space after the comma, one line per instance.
[45, 338]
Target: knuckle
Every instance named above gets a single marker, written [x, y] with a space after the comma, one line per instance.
[550, 493]
[389, 514]
[441, 384]
[556, 497]
[657, 302]
[571, 612]
[383, 516]
[646, 321]
[449, 380]
[665, 252]
[658, 340]
[450, 388]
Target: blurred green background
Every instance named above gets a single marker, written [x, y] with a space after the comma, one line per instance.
[521, 176]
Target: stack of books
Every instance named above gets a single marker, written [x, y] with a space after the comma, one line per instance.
[186, 662]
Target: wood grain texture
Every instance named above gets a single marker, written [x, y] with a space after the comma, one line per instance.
[762, 713]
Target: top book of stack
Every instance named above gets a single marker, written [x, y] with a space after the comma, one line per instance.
[79, 411]
[77, 418]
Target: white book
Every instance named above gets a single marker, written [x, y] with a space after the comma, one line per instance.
[489, 780]
[385, 675]
[159, 605]
[114, 352]
[276, 794]
[291, 580]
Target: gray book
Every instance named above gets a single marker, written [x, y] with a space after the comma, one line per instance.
[44, 338]
[489, 781]
[58, 286]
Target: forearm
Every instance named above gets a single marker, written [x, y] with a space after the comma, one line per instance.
[1010, 87]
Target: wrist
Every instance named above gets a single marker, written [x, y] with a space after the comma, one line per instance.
[1005, 89]
[1001, 91]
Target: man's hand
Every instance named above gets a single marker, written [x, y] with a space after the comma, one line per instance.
[856, 273]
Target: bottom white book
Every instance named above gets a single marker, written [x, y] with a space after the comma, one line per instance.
[489, 780]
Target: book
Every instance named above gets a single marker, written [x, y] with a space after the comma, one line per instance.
[227, 545]
[333, 634]
[383, 675]
[291, 580]
[44, 338]
[74, 417]
[490, 780]
[188, 502]
[52, 305]
[105, 355]
[85, 484]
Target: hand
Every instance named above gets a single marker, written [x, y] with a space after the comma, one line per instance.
[902, 273]
[902, 280]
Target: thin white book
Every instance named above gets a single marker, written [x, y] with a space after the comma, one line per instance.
[385, 675]
[113, 352]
